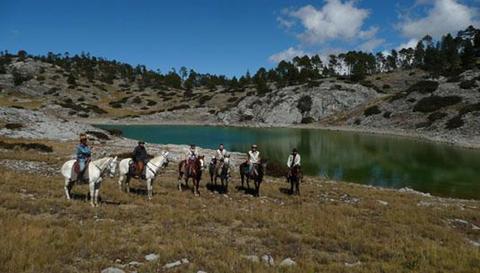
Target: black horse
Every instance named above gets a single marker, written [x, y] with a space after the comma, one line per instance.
[257, 174]
[294, 176]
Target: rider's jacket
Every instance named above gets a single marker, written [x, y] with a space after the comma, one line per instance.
[140, 154]
[293, 160]
[254, 157]
[83, 152]
[220, 154]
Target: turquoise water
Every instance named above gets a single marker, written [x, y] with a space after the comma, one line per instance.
[355, 157]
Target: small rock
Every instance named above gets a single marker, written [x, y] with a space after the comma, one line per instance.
[185, 261]
[112, 270]
[474, 243]
[151, 257]
[251, 258]
[353, 264]
[268, 260]
[287, 262]
[118, 261]
[134, 263]
[201, 271]
[172, 265]
[384, 203]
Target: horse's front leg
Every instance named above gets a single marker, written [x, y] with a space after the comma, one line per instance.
[196, 184]
[97, 190]
[257, 188]
[91, 186]
[298, 186]
[68, 188]
[150, 188]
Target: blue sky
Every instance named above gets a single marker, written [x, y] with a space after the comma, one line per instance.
[220, 36]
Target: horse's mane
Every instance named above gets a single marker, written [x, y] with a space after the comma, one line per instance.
[157, 159]
[101, 161]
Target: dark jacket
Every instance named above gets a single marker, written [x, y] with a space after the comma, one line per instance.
[140, 154]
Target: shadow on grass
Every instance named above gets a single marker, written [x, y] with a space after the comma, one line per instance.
[217, 188]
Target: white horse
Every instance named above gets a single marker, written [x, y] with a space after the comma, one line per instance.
[151, 170]
[94, 174]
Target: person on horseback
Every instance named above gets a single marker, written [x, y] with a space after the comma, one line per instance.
[192, 153]
[220, 154]
[293, 161]
[253, 159]
[84, 154]
[140, 157]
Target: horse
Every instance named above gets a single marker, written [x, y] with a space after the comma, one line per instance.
[256, 175]
[220, 169]
[94, 173]
[151, 170]
[294, 176]
[192, 170]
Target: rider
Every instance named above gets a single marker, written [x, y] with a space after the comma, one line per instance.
[139, 158]
[293, 160]
[191, 153]
[220, 154]
[84, 154]
[253, 158]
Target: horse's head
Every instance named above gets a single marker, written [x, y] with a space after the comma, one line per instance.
[201, 161]
[112, 166]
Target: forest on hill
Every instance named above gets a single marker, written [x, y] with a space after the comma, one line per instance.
[447, 57]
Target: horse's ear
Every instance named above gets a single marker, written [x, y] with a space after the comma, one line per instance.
[115, 158]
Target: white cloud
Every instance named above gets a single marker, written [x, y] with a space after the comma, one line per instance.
[445, 16]
[335, 20]
[371, 44]
[412, 43]
[287, 55]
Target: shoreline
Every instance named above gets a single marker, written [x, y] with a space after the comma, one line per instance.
[373, 131]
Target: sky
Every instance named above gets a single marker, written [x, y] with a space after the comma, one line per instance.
[225, 36]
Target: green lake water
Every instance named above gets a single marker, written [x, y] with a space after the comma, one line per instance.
[384, 161]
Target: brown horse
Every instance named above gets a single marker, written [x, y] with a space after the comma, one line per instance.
[294, 176]
[220, 169]
[191, 169]
[256, 175]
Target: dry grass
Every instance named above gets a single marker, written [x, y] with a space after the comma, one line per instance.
[321, 230]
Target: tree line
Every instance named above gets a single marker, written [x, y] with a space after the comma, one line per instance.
[448, 56]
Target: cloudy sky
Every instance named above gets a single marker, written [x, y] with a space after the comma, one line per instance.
[225, 36]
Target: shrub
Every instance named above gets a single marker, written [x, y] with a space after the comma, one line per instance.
[26, 146]
[114, 132]
[232, 99]
[40, 78]
[357, 121]
[468, 84]
[304, 104]
[422, 124]
[137, 100]
[151, 103]
[434, 103]
[13, 126]
[454, 79]
[179, 107]
[436, 116]
[372, 110]
[18, 78]
[455, 122]
[387, 114]
[307, 120]
[246, 118]
[387, 86]
[423, 87]
[470, 108]
[204, 99]
[98, 135]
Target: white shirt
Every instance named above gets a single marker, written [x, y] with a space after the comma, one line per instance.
[291, 160]
[190, 153]
[254, 157]
[220, 154]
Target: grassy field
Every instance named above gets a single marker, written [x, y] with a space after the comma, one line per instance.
[331, 227]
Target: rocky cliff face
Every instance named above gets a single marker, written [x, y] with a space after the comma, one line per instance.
[298, 104]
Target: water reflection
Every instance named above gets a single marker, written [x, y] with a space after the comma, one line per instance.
[362, 158]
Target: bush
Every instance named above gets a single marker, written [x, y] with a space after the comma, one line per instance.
[436, 116]
[26, 146]
[455, 122]
[98, 135]
[387, 114]
[468, 84]
[137, 100]
[454, 79]
[40, 78]
[307, 120]
[13, 126]
[387, 86]
[357, 121]
[18, 78]
[179, 107]
[373, 110]
[204, 99]
[304, 104]
[470, 108]
[114, 132]
[232, 99]
[434, 103]
[151, 103]
[423, 87]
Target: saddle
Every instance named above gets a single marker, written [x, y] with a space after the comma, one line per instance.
[137, 169]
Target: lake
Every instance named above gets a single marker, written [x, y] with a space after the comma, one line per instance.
[385, 161]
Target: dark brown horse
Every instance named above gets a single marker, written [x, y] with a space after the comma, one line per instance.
[191, 169]
[294, 176]
[257, 173]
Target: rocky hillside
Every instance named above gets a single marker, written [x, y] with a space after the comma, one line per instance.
[444, 109]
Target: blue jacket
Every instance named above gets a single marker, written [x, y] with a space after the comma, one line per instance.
[83, 152]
